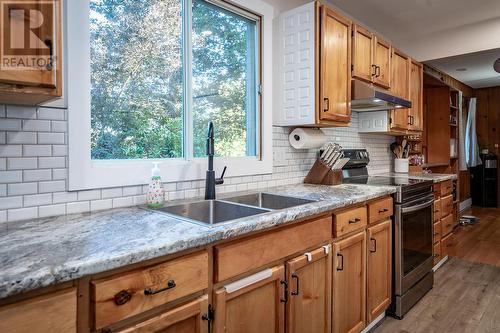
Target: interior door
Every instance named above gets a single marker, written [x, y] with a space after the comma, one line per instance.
[362, 54]
[382, 62]
[335, 67]
[309, 279]
[416, 96]
[186, 318]
[349, 284]
[29, 50]
[252, 305]
[400, 85]
[379, 269]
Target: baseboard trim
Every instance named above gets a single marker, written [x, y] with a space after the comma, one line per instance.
[374, 323]
[466, 204]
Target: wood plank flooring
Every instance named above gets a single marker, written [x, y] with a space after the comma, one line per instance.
[466, 293]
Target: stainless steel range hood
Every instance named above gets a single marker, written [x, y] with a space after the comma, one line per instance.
[366, 97]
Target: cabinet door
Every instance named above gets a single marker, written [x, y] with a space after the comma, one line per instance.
[185, 318]
[309, 284]
[416, 96]
[400, 85]
[379, 272]
[362, 54]
[335, 67]
[448, 246]
[382, 61]
[349, 284]
[53, 313]
[252, 305]
[38, 52]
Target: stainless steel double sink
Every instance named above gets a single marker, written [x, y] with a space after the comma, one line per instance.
[212, 212]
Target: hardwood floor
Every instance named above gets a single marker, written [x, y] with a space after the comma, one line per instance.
[466, 293]
[465, 298]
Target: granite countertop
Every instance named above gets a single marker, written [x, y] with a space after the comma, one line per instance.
[43, 252]
[435, 177]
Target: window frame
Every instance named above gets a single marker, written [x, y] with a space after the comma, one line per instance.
[85, 173]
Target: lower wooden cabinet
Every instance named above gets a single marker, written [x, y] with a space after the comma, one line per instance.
[379, 269]
[52, 313]
[349, 284]
[447, 246]
[309, 288]
[254, 304]
[187, 318]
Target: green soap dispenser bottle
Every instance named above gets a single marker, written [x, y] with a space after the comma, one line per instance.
[156, 194]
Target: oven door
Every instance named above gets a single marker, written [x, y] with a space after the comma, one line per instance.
[413, 242]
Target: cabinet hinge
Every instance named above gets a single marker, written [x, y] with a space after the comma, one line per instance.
[209, 317]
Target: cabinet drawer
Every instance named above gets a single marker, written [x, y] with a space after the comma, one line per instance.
[446, 206]
[437, 232]
[348, 221]
[437, 190]
[437, 210]
[380, 210]
[128, 294]
[446, 188]
[447, 224]
[243, 255]
[437, 253]
[447, 245]
[53, 313]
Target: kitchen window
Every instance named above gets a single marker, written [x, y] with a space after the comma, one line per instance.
[152, 74]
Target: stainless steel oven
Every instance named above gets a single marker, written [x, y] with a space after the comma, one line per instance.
[413, 245]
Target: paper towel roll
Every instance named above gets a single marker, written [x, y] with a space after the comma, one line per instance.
[307, 138]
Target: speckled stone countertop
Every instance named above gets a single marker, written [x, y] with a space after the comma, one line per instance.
[43, 252]
[435, 177]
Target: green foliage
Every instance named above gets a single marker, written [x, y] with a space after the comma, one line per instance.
[137, 79]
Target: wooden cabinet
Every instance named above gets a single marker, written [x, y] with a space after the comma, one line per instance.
[445, 220]
[335, 64]
[309, 284]
[313, 68]
[437, 124]
[379, 269]
[416, 113]
[347, 221]
[371, 57]
[447, 245]
[380, 209]
[187, 318]
[349, 284]
[437, 210]
[252, 305]
[31, 74]
[52, 313]
[400, 86]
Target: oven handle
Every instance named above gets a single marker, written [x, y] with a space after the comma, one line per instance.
[417, 207]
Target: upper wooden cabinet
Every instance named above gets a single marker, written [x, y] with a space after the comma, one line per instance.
[371, 57]
[400, 86]
[31, 71]
[313, 68]
[416, 113]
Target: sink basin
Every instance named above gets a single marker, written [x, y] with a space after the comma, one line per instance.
[268, 201]
[211, 212]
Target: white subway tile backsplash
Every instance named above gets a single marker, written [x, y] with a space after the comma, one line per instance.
[11, 150]
[22, 188]
[22, 214]
[37, 150]
[132, 190]
[51, 162]
[37, 175]
[11, 202]
[63, 197]
[112, 192]
[19, 163]
[139, 200]
[51, 138]
[123, 202]
[11, 176]
[10, 124]
[89, 195]
[59, 150]
[25, 112]
[96, 205]
[78, 207]
[52, 210]
[59, 126]
[3, 190]
[51, 114]
[52, 186]
[37, 199]
[59, 174]
[36, 125]
[3, 216]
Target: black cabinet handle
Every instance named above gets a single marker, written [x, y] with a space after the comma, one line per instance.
[296, 291]
[374, 67]
[209, 317]
[149, 291]
[356, 220]
[383, 210]
[285, 294]
[327, 102]
[342, 262]
[377, 71]
[49, 44]
[374, 245]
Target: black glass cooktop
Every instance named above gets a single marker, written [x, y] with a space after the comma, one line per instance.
[384, 181]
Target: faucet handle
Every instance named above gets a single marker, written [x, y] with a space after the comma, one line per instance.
[220, 181]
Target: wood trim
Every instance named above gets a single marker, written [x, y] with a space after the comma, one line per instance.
[449, 80]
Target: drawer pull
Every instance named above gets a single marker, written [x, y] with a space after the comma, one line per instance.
[342, 262]
[356, 220]
[122, 297]
[170, 284]
[383, 210]
[374, 240]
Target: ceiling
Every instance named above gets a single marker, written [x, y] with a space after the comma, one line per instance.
[479, 68]
[430, 29]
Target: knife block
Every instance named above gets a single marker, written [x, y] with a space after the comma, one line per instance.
[321, 174]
